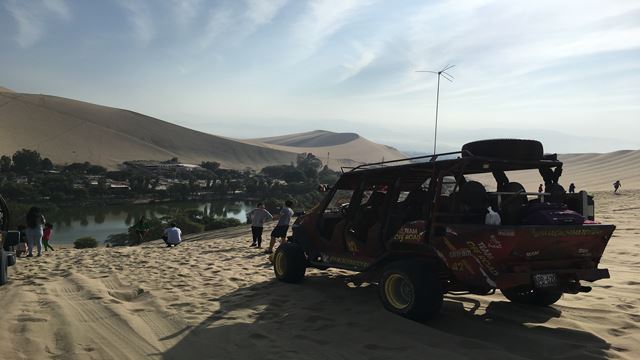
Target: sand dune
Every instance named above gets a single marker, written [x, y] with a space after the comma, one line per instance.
[591, 172]
[68, 131]
[214, 297]
[342, 149]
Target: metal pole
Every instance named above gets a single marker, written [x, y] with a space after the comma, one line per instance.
[435, 133]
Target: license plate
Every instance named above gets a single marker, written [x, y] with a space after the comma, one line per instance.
[545, 280]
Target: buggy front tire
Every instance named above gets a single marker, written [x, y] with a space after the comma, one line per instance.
[531, 296]
[411, 289]
[289, 263]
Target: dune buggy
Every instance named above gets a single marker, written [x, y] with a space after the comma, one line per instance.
[423, 227]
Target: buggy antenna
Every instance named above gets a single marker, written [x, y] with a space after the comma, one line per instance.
[442, 73]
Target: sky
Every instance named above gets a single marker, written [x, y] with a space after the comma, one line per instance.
[565, 72]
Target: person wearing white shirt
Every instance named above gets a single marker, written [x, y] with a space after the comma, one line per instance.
[172, 235]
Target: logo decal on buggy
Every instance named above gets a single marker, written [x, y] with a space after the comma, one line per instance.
[412, 232]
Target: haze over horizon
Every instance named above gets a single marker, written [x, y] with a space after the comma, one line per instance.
[253, 68]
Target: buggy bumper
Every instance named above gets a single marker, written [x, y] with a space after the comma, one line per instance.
[509, 280]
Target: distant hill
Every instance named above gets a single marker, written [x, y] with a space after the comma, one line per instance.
[4, 89]
[342, 149]
[591, 172]
[68, 131]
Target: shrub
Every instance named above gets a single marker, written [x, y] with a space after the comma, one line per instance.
[121, 239]
[85, 243]
[215, 224]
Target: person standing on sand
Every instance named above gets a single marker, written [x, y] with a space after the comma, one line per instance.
[35, 220]
[258, 217]
[46, 236]
[616, 185]
[141, 228]
[172, 235]
[280, 231]
[572, 188]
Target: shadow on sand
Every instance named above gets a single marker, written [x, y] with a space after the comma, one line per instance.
[325, 318]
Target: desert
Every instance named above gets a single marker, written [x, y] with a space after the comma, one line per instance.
[215, 297]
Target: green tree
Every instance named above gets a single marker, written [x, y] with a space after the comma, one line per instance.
[5, 163]
[210, 165]
[26, 161]
[46, 164]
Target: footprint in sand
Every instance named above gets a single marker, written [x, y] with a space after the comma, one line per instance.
[29, 318]
[616, 332]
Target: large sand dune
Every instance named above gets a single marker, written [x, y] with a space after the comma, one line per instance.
[341, 149]
[591, 172]
[68, 131]
[215, 298]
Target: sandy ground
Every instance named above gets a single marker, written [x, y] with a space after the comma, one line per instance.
[215, 298]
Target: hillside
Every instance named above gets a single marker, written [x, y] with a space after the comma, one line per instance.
[67, 131]
[591, 172]
[342, 149]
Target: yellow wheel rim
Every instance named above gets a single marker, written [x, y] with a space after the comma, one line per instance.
[398, 291]
[280, 264]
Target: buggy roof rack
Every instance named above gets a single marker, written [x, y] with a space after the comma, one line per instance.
[432, 158]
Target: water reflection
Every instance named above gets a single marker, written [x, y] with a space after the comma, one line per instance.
[100, 222]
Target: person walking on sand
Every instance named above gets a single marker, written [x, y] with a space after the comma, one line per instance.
[572, 188]
[46, 236]
[280, 231]
[616, 186]
[258, 217]
[172, 235]
[35, 221]
[141, 228]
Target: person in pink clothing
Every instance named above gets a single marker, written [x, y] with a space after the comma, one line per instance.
[46, 236]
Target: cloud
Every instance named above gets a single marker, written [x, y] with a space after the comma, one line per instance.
[260, 12]
[354, 66]
[140, 18]
[324, 18]
[185, 10]
[219, 22]
[59, 7]
[231, 23]
[32, 18]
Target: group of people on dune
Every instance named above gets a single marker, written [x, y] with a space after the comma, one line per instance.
[35, 235]
[260, 215]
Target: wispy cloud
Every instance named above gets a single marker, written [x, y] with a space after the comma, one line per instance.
[219, 21]
[260, 12]
[32, 18]
[58, 7]
[234, 22]
[323, 19]
[186, 10]
[140, 18]
[355, 65]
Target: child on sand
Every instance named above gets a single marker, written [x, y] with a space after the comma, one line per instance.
[46, 236]
[22, 247]
[616, 186]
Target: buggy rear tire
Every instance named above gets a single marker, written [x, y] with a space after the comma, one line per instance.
[411, 289]
[4, 270]
[289, 263]
[531, 296]
[508, 149]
